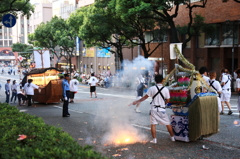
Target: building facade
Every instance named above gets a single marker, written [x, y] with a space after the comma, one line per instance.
[43, 13]
[217, 50]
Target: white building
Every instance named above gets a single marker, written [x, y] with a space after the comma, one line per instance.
[42, 13]
[63, 8]
[82, 3]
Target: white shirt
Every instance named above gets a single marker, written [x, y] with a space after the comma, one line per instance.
[29, 88]
[206, 78]
[216, 85]
[238, 83]
[226, 78]
[14, 87]
[93, 80]
[158, 100]
[140, 80]
[74, 85]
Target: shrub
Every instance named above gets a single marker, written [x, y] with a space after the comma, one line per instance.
[43, 141]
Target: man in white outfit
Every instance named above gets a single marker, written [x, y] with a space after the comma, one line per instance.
[73, 88]
[93, 82]
[158, 114]
[226, 91]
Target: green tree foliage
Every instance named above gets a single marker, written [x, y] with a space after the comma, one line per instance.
[98, 27]
[15, 7]
[133, 14]
[167, 10]
[65, 37]
[44, 36]
[56, 33]
[24, 50]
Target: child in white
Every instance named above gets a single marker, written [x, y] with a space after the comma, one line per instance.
[216, 86]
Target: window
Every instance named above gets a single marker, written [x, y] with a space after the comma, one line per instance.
[156, 36]
[5, 43]
[5, 35]
[188, 43]
[192, 1]
[212, 37]
[1, 34]
[1, 43]
[230, 33]
[10, 42]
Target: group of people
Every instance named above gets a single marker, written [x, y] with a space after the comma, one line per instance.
[70, 87]
[160, 97]
[22, 93]
[8, 71]
[222, 87]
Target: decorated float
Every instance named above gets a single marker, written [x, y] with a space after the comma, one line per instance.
[48, 81]
[45, 77]
[193, 102]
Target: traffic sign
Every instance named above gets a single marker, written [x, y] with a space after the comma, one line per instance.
[9, 20]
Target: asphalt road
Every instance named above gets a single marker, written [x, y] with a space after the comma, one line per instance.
[101, 122]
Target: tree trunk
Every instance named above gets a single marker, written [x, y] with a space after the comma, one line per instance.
[173, 35]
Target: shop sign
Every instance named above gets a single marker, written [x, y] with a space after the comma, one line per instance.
[7, 57]
[103, 52]
[89, 52]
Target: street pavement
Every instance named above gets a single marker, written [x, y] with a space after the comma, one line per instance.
[101, 121]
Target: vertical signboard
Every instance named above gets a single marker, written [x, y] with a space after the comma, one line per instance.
[42, 58]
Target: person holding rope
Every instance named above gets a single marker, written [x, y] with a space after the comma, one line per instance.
[216, 86]
[160, 96]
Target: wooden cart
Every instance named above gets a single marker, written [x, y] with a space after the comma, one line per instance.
[47, 79]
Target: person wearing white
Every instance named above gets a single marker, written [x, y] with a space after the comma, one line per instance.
[92, 82]
[14, 89]
[216, 86]
[21, 97]
[204, 72]
[226, 91]
[139, 91]
[73, 88]
[29, 91]
[158, 114]
[238, 88]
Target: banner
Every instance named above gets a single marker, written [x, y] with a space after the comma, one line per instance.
[88, 52]
[42, 58]
[77, 46]
[103, 52]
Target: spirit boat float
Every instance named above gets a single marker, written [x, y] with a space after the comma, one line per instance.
[195, 113]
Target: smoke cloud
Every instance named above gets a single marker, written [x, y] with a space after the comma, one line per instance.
[119, 116]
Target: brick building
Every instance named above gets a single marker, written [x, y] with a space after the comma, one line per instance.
[213, 51]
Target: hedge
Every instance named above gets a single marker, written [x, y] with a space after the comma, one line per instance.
[43, 141]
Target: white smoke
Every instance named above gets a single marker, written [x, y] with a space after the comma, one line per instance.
[118, 124]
